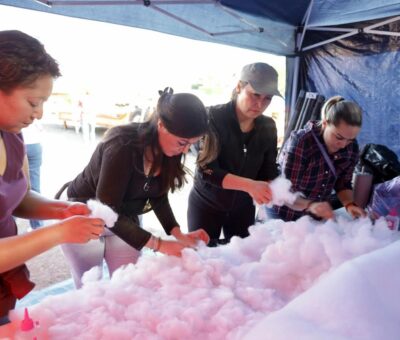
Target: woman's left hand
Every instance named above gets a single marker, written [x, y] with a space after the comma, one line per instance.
[355, 211]
[74, 208]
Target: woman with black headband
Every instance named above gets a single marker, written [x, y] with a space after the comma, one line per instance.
[132, 170]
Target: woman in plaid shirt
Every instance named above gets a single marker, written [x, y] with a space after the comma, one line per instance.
[316, 175]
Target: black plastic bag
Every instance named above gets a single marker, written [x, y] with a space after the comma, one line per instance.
[380, 161]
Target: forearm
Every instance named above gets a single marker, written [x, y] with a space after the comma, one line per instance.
[300, 204]
[16, 250]
[345, 196]
[176, 232]
[36, 206]
[234, 182]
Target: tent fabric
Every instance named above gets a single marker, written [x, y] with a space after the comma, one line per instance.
[360, 67]
[363, 69]
[268, 26]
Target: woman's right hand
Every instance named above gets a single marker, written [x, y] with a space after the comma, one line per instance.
[321, 209]
[260, 191]
[169, 247]
[79, 229]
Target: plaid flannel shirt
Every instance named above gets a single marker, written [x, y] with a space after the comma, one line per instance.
[302, 162]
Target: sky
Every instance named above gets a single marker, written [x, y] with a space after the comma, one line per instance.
[119, 64]
[298, 280]
[126, 61]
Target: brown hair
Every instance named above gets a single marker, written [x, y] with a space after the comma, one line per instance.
[337, 109]
[23, 59]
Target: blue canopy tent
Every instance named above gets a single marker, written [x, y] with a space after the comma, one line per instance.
[341, 47]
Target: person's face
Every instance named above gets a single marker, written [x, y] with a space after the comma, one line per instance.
[249, 103]
[172, 145]
[23, 105]
[338, 137]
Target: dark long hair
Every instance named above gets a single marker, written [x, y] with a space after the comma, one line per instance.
[184, 115]
[23, 59]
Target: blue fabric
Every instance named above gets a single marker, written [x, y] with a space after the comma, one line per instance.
[367, 72]
[364, 70]
[34, 153]
[273, 23]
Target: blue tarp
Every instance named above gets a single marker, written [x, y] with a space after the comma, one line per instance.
[360, 68]
[365, 70]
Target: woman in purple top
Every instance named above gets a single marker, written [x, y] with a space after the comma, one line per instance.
[26, 81]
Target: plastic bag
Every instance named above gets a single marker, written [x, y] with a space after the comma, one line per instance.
[380, 161]
[385, 199]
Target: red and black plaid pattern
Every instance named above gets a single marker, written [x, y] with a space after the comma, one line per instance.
[302, 162]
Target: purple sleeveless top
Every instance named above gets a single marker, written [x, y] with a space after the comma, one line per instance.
[13, 184]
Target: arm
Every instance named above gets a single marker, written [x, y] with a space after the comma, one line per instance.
[346, 198]
[15, 250]
[293, 160]
[269, 169]
[258, 190]
[36, 206]
[343, 185]
[39, 207]
[164, 213]
[320, 209]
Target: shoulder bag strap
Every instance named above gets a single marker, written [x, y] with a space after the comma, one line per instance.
[324, 153]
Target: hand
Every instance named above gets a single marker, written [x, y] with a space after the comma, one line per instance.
[169, 247]
[74, 208]
[260, 191]
[321, 209]
[192, 238]
[355, 211]
[79, 229]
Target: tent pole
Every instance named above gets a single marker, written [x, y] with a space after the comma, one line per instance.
[293, 96]
[296, 64]
[353, 31]
[299, 43]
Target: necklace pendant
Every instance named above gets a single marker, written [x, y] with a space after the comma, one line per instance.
[146, 186]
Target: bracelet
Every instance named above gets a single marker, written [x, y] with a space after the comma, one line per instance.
[157, 245]
[346, 206]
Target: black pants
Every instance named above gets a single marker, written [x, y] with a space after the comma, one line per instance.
[235, 222]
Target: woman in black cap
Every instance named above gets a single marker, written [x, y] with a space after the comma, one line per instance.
[226, 188]
[132, 170]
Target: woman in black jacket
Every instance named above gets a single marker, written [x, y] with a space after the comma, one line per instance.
[132, 170]
[225, 189]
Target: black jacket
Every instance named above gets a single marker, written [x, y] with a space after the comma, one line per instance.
[255, 160]
[115, 176]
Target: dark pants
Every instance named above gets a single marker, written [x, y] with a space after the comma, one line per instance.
[235, 222]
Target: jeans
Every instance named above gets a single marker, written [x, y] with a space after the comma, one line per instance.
[34, 153]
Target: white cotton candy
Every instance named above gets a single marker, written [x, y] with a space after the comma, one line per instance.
[100, 210]
[222, 293]
[92, 275]
[281, 193]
